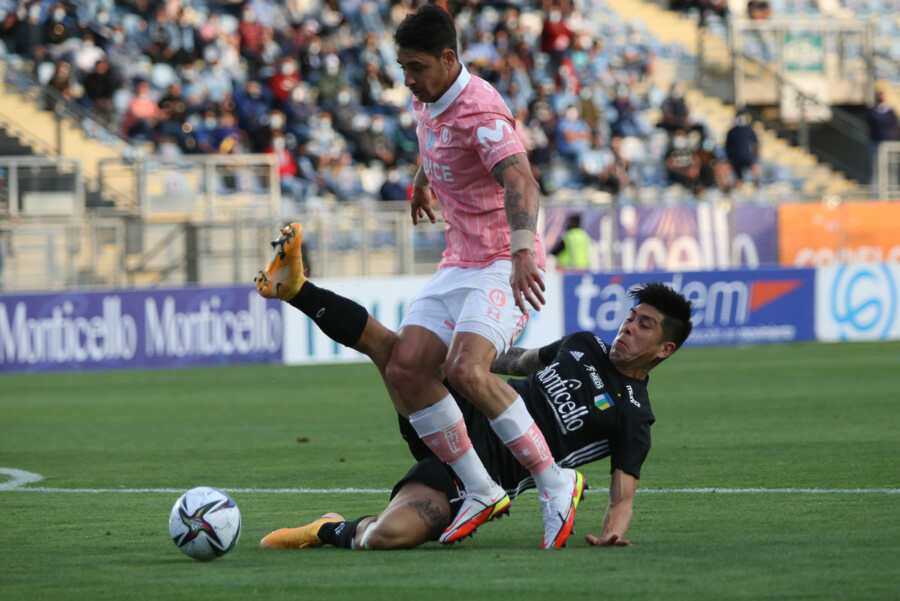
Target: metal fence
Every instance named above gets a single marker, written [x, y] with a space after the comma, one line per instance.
[206, 221]
[887, 171]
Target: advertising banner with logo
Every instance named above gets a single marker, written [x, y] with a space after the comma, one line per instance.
[387, 299]
[852, 232]
[730, 307]
[675, 238]
[138, 329]
[858, 302]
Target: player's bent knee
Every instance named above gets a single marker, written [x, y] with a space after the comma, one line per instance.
[466, 376]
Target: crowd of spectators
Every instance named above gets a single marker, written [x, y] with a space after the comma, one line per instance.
[315, 82]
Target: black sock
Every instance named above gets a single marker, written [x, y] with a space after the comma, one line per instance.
[340, 534]
[339, 318]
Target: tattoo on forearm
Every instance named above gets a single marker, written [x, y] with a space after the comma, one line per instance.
[506, 363]
[517, 361]
[434, 519]
[498, 169]
[521, 211]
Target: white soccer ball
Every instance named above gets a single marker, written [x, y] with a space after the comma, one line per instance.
[205, 523]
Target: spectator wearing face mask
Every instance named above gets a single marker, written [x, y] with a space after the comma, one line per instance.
[682, 163]
[287, 167]
[343, 111]
[99, 87]
[331, 81]
[251, 36]
[883, 127]
[200, 138]
[24, 31]
[405, 140]
[374, 144]
[675, 112]
[556, 37]
[252, 106]
[742, 147]
[283, 82]
[393, 187]
[142, 114]
[58, 27]
[573, 135]
[624, 122]
[372, 89]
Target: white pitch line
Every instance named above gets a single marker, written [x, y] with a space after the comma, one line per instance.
[19, 478]
[352, 491]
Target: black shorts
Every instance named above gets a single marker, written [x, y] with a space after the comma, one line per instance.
[434, 473]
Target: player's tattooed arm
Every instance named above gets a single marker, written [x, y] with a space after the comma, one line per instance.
[520, 192]
[517, 361]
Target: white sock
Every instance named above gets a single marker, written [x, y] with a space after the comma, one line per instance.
[517, 430]
[442, 428]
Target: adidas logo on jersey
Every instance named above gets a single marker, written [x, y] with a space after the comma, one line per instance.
[578, 355]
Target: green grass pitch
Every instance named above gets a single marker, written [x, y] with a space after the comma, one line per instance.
[800, 441]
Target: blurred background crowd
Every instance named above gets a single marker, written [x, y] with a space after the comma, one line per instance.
[316, 83]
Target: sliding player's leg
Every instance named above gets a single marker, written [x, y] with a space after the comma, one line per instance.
[421, 507]
[343, 320]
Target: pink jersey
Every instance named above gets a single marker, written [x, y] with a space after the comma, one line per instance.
[461, 137]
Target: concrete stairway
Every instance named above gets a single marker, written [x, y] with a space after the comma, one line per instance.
[671, 28]
[36, 128]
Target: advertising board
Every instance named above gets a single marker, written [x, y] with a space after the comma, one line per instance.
[138, 329]
[730, 307]
[857, 302]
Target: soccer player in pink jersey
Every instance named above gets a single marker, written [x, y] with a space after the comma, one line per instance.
[491, 270]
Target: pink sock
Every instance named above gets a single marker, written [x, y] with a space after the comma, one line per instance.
[450, 443]
[531, 450]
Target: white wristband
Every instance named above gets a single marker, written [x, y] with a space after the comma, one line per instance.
[521, 240]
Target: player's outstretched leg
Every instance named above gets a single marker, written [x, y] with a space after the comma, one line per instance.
[283, 277]
[559, 510]
[299, 538]
[476, 510]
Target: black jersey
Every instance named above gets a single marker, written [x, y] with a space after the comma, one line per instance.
[585, 408]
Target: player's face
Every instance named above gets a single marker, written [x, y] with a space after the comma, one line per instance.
[639, 345]
[427, 77]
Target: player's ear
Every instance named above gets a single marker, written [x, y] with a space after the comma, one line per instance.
[448, 57]
[666, 349]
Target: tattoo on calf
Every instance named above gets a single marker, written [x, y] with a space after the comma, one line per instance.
[434, 519]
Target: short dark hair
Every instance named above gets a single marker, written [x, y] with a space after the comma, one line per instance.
[676, 309]
[430, 29]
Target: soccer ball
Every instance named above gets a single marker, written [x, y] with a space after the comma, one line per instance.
[205, 523]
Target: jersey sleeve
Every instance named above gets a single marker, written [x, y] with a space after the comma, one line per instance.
[630, 447]
[495, 138]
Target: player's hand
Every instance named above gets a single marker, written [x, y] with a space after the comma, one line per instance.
[612, 540]
[527, 282]
[420, 205]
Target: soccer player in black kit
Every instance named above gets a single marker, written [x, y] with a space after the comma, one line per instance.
[588, 398]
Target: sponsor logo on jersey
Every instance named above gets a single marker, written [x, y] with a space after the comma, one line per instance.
[445, 135]
[488, 135]
[430, 139]
[631, 395]
[601, 343]
[595, 377]
[577, 354]
[557, 391]
[603, 402]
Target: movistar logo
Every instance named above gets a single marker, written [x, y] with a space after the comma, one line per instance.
[486, 135]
